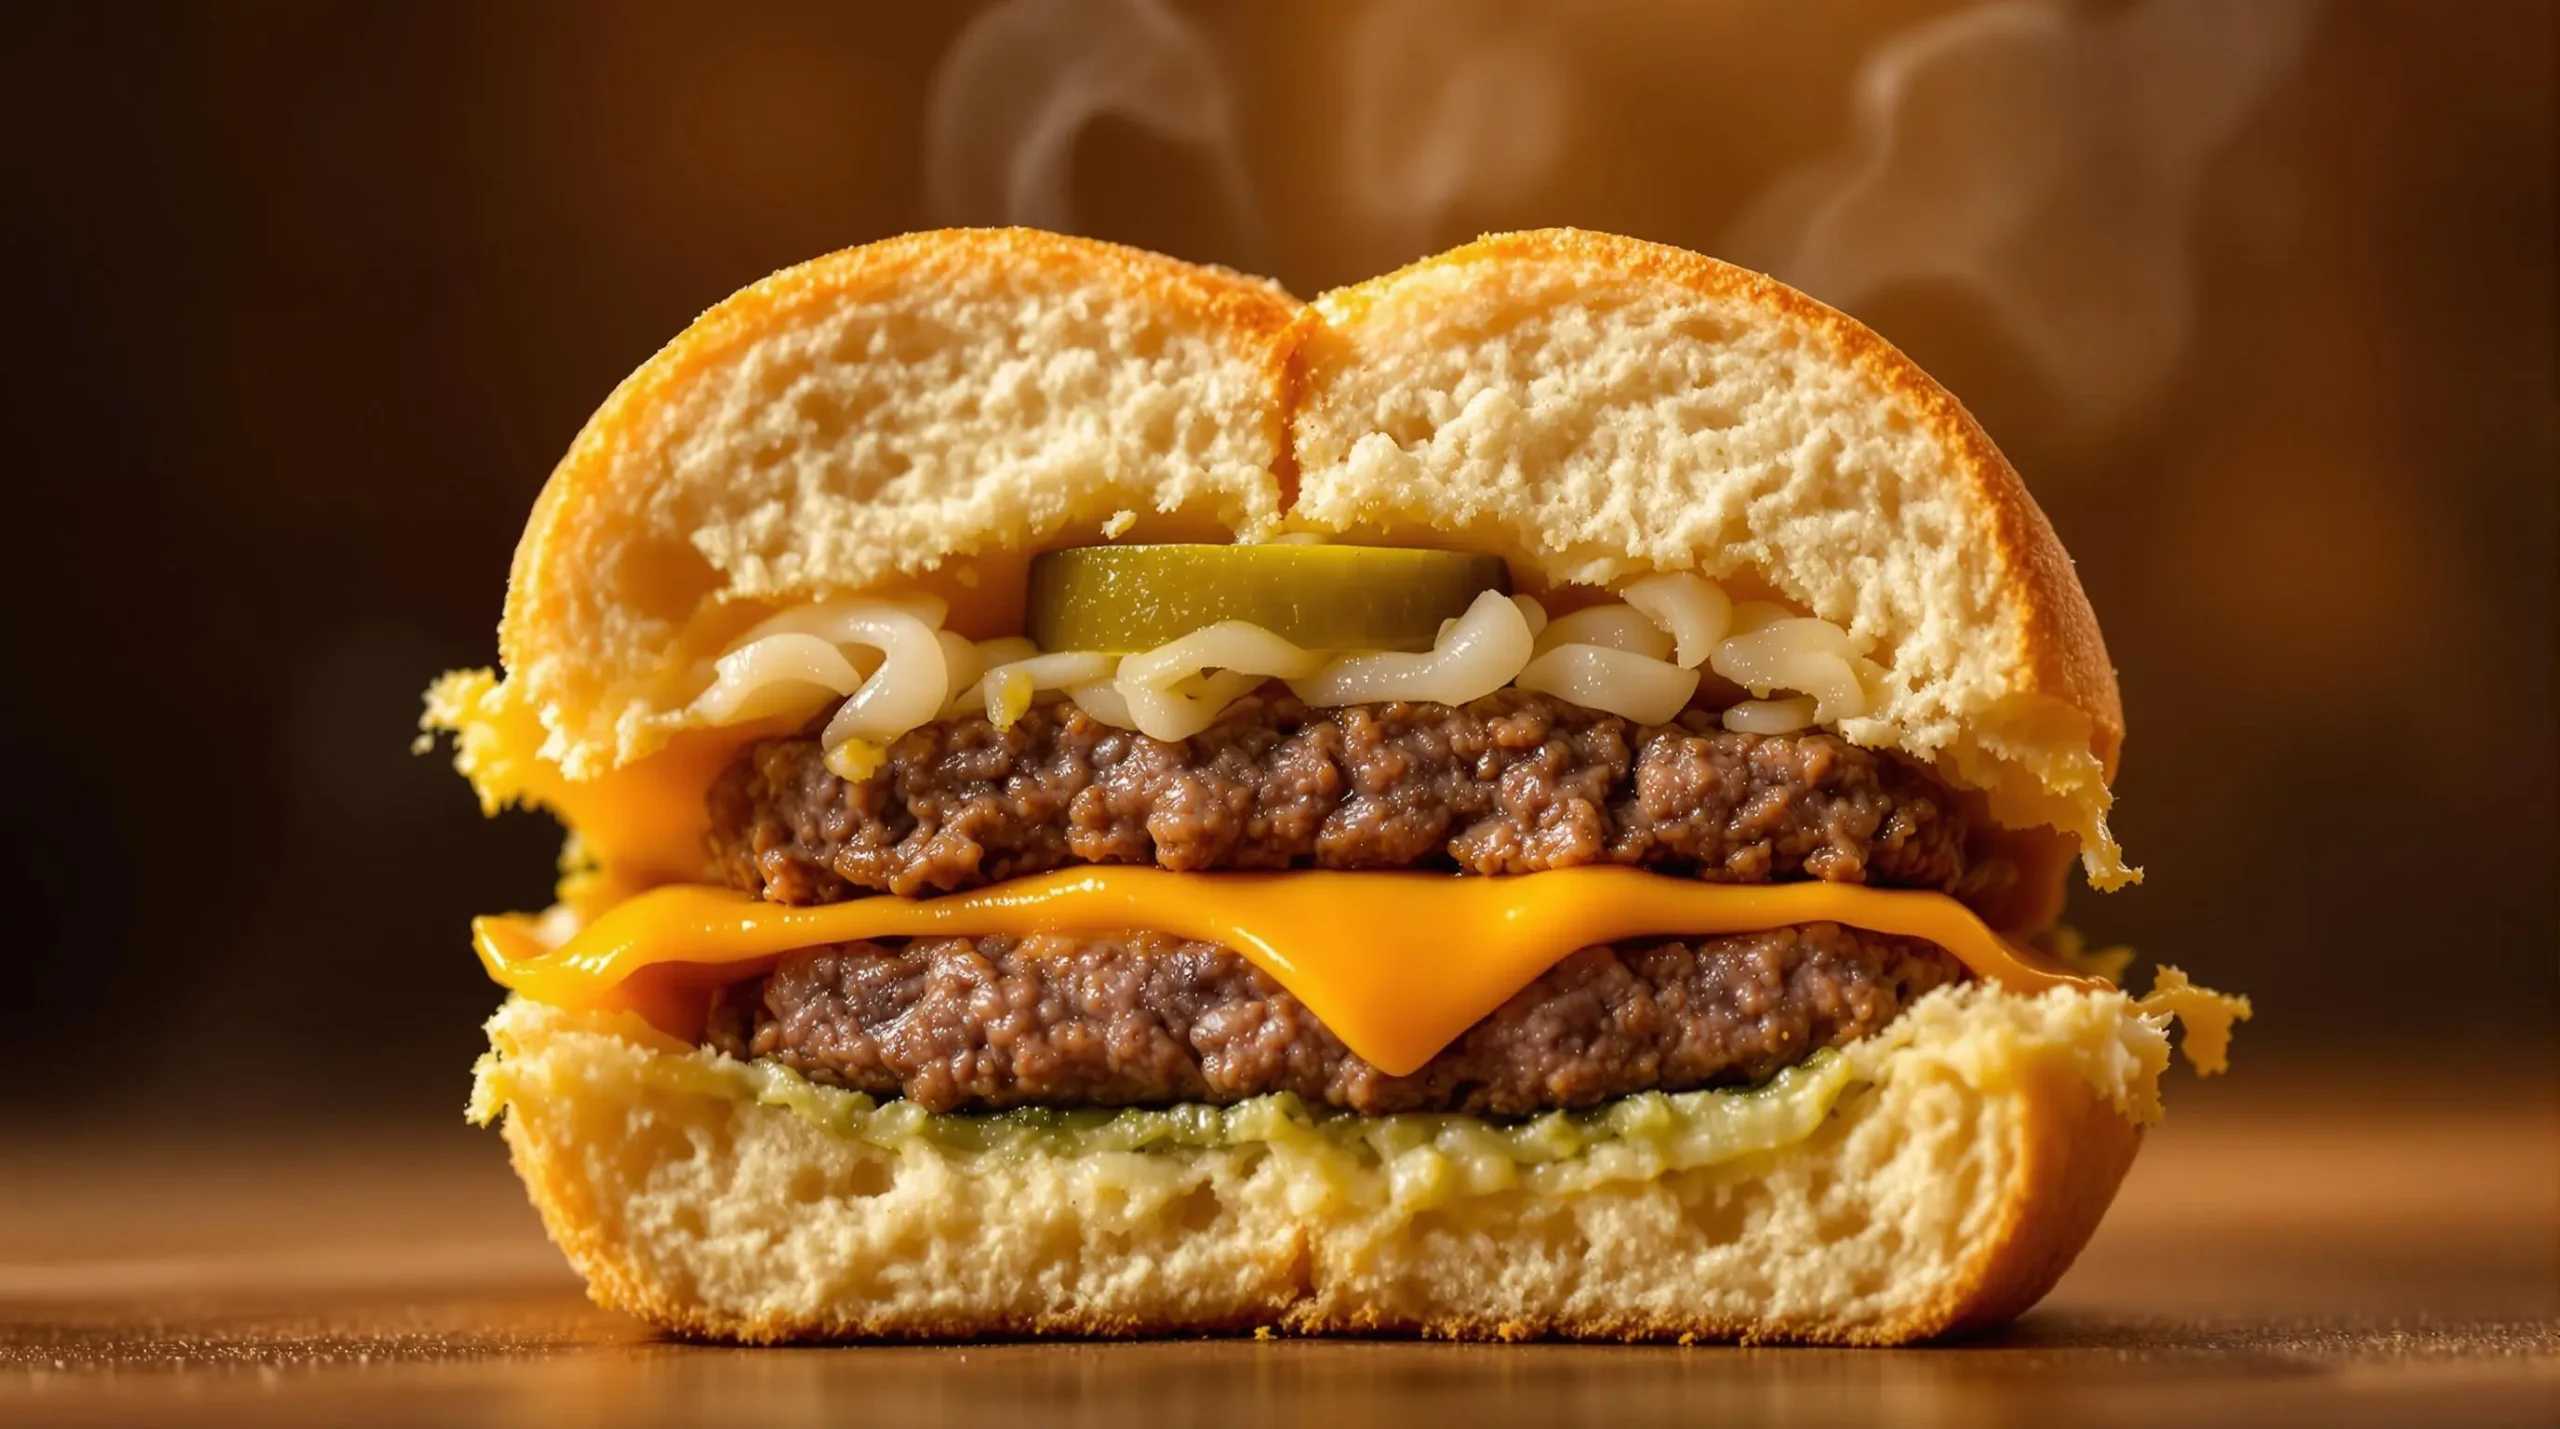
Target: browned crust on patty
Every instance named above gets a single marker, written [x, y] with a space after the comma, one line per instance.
[1512, 783]
[1143, 1019]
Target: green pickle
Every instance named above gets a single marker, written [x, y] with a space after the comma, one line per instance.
[1122, 600]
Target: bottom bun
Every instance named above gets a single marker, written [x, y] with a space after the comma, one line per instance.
[1936, 1177]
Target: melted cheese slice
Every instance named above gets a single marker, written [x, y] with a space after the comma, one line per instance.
[1396, 964]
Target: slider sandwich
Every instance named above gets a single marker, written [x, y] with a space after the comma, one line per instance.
[1528, 797]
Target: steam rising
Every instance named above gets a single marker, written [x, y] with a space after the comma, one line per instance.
[2044, 161]
[1024, 79]
[1448, 104]
[2040, 156]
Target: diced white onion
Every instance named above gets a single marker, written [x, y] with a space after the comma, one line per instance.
[1837, 694]
[1619, 627]
[1221, 688]
[910, 685]
[1243, 653]
[1486, 650]
[1101, 699]
[1006, 690]
[1228, 645]
[888, 654]
[1750, 615]
[1067, 667]
[1162, 714]
[1695, 612]
[961, 663]
[1780, 637]
[1622, 682]
[989, 654]
[895, 667]
[783, 673]
[1796, 653]
[1770, 716]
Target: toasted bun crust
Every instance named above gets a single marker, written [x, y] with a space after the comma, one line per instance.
[869, 418]
[931, 410]
[1597, 407]
[1981, 1139]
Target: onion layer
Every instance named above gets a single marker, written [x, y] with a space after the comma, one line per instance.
[1619, 627]
[1622, 682]
[1770, 716]
[895, 668]
[1485, 651]
[1006, 690]
[784, 673]
[990, 655]
[910, 685]
[1101, 699]
[1797, 653]
[1243, 654]
[1697, 613]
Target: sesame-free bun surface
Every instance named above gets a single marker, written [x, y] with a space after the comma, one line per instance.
[1596, 407]
[1976, 1147]
[932, 410]
[868, 418]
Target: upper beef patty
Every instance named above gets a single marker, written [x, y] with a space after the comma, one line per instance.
[1510, 783]
[1151, 1020]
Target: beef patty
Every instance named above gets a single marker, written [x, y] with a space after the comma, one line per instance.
[1150, 1020]
[1510, 783]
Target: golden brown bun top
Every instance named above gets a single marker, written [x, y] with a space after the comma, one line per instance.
[928, 411]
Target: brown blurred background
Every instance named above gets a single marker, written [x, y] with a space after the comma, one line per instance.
[303, 301]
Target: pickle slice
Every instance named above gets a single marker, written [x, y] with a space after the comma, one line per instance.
[1121, 600]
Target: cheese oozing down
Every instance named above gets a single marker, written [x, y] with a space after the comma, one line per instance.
[1396, 964]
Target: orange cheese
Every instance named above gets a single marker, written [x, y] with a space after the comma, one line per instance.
[1396, 964]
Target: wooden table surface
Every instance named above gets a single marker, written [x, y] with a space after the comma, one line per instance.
[2297, 1250]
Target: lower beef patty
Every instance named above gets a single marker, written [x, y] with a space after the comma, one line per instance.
[1511, 783]
[1149, 1020]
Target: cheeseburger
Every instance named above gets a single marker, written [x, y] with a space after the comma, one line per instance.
[1530, 796]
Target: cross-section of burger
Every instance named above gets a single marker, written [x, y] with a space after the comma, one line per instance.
[1528, 796]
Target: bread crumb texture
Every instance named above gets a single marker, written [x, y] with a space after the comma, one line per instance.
[1953, 1167]
[926, 412]
[864, 419]
[1594, 408]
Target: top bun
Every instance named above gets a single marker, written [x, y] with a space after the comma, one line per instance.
[929, 411]
[1594, 407]
[865, 418]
